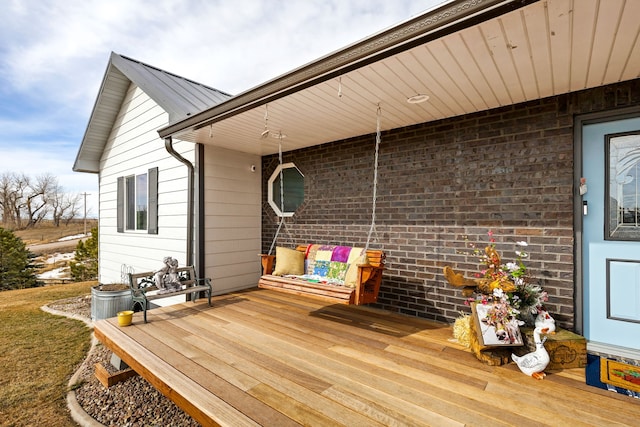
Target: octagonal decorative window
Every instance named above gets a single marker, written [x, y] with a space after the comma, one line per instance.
[286, 196]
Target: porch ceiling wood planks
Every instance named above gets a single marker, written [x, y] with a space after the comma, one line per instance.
[266, 358]
[522, 51]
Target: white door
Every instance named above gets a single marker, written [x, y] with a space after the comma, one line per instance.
[611, 236]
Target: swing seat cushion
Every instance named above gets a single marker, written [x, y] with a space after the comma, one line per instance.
[335, 265]
[342, 274]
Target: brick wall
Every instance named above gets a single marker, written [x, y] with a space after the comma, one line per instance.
[443, 186]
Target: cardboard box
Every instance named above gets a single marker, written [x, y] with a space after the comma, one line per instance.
[566, 349]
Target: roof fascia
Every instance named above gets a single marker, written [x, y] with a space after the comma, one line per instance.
[433, 24]
[82, 165]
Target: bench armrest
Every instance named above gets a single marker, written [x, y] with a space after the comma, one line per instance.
[199, 281]
[267, 262]
[368, 283]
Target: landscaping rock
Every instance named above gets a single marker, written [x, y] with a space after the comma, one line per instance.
[130, 403]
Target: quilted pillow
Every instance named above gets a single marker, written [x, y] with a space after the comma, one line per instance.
[351, 277]
[288, 261]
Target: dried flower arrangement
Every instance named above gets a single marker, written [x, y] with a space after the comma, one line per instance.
[507, 286]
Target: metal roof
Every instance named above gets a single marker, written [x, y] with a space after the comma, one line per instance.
[178, 96]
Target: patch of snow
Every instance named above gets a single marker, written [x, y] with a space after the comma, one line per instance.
[52, 259]
[77, 236]
[57, 273]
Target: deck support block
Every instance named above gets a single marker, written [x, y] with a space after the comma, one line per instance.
[107, 379]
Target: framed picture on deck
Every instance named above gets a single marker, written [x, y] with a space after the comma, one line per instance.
[490, 335]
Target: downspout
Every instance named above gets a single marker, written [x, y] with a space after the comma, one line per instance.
[168, 145]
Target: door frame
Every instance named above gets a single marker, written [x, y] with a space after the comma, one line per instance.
[579, 121]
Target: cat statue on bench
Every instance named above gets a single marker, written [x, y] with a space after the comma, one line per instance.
[166, 279]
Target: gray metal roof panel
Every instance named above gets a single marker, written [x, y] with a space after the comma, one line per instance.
[178, 96]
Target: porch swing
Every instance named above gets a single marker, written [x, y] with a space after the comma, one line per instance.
[338, 274]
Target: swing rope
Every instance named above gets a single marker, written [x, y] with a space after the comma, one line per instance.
[375, 178]
[375, 185]
[275, 237]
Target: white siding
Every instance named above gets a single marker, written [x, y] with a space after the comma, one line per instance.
[232, 219]
[133, 148]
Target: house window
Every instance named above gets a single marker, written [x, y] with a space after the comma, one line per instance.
[137, 200]
[137, 205]
[286, 189]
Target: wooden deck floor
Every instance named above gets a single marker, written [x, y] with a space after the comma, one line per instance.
[267, 358]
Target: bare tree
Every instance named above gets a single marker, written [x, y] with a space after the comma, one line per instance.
[37, 198]
[12, 190]
[73, 211]
[7, 200]
[64, 206]
[31, 200]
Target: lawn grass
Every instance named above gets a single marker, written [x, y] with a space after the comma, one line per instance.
[46, 232]
[38, 353]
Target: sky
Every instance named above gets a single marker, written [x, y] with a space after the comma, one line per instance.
[53, 56]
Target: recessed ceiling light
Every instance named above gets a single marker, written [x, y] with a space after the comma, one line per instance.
[418, 98]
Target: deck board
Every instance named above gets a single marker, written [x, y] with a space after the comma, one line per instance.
[262, 357]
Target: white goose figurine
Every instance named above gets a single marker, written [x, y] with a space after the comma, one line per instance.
[544, 320]
[534, 363]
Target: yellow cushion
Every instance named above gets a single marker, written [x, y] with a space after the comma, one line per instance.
[351, 277]
[288, 261]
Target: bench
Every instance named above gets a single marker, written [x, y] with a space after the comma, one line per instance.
[363, 289]
[143, 287]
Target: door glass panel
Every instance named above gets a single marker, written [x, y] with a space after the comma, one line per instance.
[623, 191]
